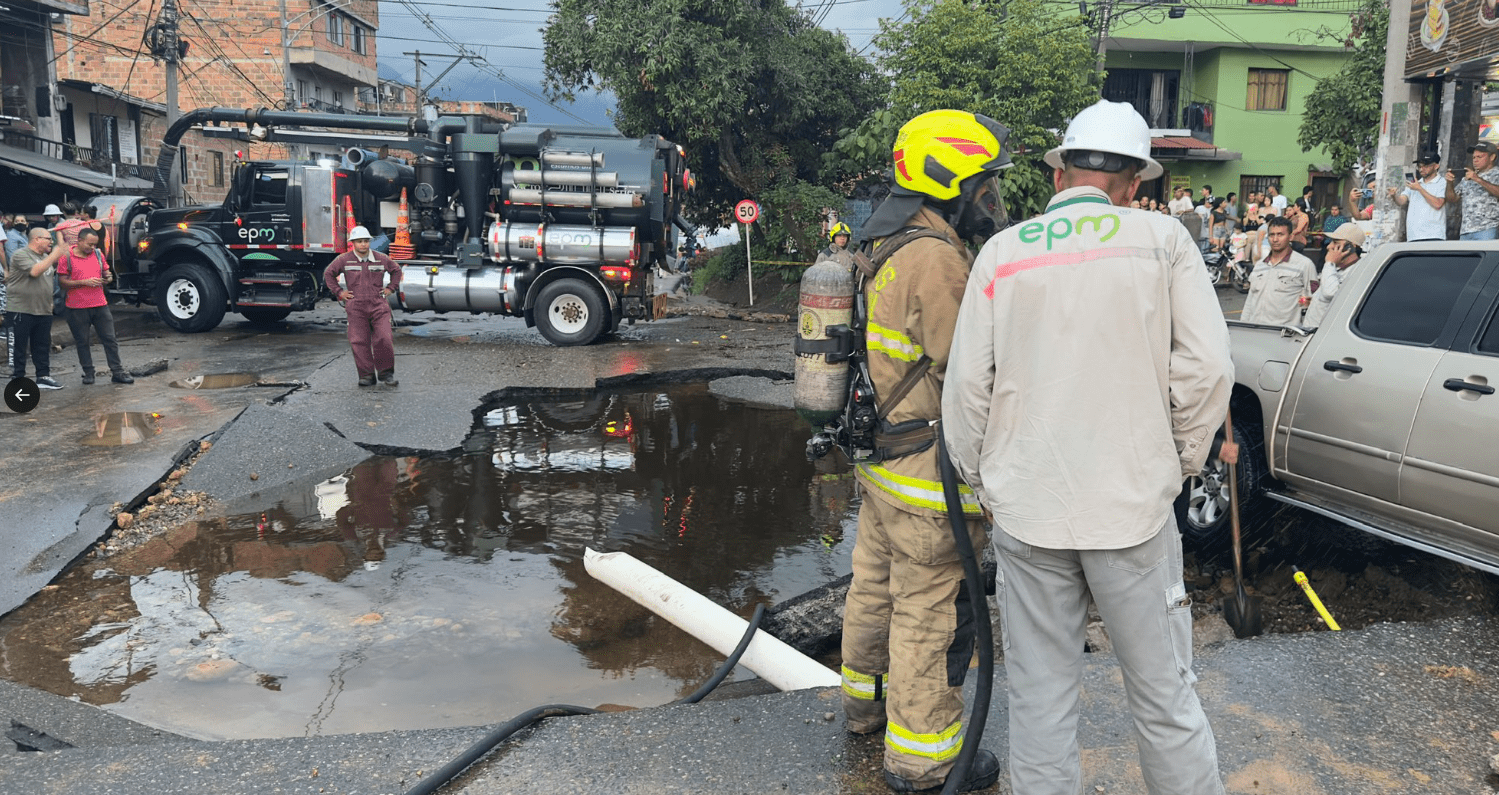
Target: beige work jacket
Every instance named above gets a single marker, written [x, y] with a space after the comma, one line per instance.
[1089, 372]
[1275, 291]
[913, 305]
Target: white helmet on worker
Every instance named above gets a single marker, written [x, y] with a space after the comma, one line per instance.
[358, 233]
[52, 209]
[1102, 129]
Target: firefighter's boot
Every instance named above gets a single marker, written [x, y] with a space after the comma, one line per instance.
[981, 775]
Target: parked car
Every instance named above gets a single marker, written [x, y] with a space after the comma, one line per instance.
[1385, 418]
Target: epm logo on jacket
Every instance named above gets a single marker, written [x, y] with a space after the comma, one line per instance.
[1058, 229]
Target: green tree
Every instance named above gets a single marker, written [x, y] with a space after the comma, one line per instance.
[1342, 112]
[754, 92]
[1018, 62]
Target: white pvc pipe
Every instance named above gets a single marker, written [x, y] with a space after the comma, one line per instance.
[774, 661]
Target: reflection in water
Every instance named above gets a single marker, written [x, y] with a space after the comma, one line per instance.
[122, 428]
[216, 381]
[414, 592]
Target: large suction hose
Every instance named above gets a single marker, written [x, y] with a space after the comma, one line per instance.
[983, 632]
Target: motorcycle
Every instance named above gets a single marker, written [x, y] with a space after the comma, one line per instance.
[1240, 262]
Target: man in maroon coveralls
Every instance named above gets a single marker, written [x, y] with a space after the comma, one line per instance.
[364, 273]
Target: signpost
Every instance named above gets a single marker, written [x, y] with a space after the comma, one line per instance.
[746, 212]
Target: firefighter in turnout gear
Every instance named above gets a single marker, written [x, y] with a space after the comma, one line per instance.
[838, 251]
[908, 633]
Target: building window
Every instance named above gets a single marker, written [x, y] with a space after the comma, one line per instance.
[1250, 183]
[336, 29]
[215, 169]
[359, 43]
[338, 99]
[1267, 89]
[302, 91]
[317, 93]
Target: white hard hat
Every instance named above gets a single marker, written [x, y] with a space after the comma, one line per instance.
[359, 233]
[1106, 126]
[52, 209]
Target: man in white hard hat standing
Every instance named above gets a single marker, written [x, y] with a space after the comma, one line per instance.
[1089, 374]
[363, 295]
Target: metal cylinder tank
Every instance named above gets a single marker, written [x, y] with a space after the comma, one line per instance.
[562, 244]
[458, 289]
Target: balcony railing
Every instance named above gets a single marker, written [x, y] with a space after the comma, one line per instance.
[87, 157]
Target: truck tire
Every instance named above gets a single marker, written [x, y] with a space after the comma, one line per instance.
[571, 312]
[1202, 508]
[264, 314]
[190, 298]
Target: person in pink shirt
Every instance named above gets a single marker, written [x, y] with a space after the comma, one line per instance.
[83, 274]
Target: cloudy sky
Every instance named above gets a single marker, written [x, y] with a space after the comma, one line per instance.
[508, 37]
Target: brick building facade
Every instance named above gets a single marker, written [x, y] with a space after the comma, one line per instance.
[234, 59]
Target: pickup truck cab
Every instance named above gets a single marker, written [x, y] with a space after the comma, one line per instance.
[1385, 418]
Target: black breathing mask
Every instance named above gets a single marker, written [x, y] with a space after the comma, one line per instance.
[983, 213]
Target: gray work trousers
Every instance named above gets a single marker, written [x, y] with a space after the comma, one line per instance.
[102, 321]
[1043, 596]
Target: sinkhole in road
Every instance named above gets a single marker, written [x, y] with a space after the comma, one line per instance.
[216, 381]
[416, 592]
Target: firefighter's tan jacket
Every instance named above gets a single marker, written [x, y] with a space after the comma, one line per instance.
[1090, 372]
[913, 305]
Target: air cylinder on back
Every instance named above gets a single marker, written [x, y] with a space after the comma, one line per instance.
[827, 299]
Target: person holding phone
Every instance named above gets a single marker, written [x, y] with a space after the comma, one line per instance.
[1476, 191]
[1424, 199]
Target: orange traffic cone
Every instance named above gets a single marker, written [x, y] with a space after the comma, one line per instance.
[402, 248]
[349, 222]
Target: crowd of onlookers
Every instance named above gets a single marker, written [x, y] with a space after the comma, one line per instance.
[56, 268]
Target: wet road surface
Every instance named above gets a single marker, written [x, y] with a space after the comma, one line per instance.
[419, 592]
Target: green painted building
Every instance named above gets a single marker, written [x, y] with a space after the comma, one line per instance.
[1223, 84]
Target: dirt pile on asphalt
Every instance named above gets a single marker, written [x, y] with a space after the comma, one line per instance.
[167, 507]
[1361, 579]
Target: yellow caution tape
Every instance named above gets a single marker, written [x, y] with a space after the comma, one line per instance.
[1317, 603]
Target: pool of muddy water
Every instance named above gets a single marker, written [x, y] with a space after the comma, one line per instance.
[418, 592]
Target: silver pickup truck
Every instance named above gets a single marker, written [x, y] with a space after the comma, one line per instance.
[1385, 418]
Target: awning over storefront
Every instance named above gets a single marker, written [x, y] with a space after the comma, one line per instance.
[1173, 147]
[70, 174]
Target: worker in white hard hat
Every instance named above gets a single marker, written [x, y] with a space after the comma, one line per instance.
[370, 278]
[1088, 377]
[52, 213]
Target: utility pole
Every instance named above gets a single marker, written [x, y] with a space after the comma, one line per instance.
[167, 46]
[419, 64]
[1101, 44]
[289, 98]
[421, 98]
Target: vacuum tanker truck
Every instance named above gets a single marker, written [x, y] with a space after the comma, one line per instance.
[562, 226]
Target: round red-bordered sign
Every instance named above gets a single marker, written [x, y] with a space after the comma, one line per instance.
[746, 211]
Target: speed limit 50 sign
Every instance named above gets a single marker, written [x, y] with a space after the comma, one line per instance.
[746, 211]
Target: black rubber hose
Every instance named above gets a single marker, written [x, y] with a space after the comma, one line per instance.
[728, 665]
[478, 750]
[983, 632]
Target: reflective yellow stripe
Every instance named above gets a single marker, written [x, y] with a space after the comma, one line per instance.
[859, 685]
[918, 492]
[939, 747]
[891, 343]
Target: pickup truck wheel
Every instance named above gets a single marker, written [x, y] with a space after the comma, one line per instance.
[264, 314]
[190, 298]
[1202, 508]
[571, 312]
